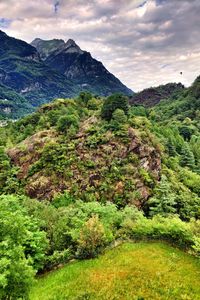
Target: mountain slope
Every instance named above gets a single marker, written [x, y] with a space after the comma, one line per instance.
[80, 67]
[152, 96]
[22, 70]
[12, 104]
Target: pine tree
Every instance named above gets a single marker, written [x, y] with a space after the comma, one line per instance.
[187, 157]
[164, 201]
[171, 147]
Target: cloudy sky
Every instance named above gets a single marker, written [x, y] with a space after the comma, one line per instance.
[144, 43]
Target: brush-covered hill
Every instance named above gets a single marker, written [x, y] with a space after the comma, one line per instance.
[101, 150]
[152, 96]
[181, 105]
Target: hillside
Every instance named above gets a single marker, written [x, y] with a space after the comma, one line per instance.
[185, 104]
[13, 109]
[69, 145]
[102, 171]
[152, 96]
[80, 67]
[89, 160]
[131, 271]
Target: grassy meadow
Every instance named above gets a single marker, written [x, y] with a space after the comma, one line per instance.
[130, 271]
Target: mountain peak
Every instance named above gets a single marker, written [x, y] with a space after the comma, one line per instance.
[71, 46]
[71, 42]
[46, 47]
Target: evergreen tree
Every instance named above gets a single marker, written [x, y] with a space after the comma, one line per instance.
[163, 202]
[187, 157]
[171, 147]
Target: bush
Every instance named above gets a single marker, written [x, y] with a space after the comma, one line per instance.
[92, 238]
[22, 248]
[118, 119]
[58, 257]
[112, 103]
[64, 122]
[171, 229]
[85, 97]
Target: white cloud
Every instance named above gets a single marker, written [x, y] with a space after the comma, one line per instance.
[133, 38]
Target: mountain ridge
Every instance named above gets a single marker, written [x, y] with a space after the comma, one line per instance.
[79, 65]
[37, 74]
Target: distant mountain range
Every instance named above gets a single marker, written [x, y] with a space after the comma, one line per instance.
[37, 73]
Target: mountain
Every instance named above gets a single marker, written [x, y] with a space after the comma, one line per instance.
[22, 70]
[55, 69]
[80, 67]
[151, 96]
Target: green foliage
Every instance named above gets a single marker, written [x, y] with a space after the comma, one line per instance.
[118, 119]
[92, 238]
[85, 97]
[191, 180]
[164, 201]
[187, 157]
[64, 122]
[22, 248]
[63, 200]
[171, 229]
[93, 104]
[186, 132]
[113, 102]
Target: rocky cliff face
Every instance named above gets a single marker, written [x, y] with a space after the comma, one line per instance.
[152, 96]
[80, 67]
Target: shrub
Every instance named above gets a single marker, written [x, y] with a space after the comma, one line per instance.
[112, 103]
[64, 122]
[92, 238]
[58, 257]
[85, 97]
[22, 248]
[171, 229]
[118, 118]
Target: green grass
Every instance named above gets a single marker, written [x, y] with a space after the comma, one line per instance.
[130, 271]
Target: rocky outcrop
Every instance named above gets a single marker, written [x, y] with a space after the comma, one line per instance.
[109, 169]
